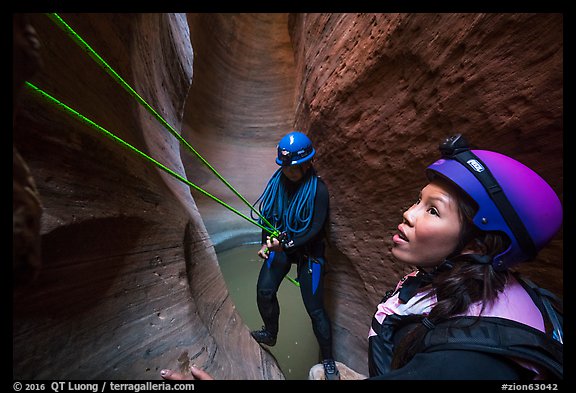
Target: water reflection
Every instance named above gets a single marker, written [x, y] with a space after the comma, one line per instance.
[296, 348]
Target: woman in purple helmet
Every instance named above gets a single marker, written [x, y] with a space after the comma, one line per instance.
[464, 313]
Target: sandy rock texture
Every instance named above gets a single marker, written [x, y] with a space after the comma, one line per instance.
[380, 91]
[130, 282]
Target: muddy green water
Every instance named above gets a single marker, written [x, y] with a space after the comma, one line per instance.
[296, 348]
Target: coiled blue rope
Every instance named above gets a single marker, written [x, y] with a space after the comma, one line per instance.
[290, 214]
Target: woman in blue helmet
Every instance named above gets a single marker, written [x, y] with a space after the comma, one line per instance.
[464, 313]
[295, 201]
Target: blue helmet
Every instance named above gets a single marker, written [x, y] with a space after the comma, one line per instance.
[294, 148]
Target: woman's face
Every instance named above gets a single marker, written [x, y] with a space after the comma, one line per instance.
[431, 227]
[295, 172]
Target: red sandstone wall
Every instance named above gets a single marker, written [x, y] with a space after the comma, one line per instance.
[241, 103]
[130, 282]
[378, 92]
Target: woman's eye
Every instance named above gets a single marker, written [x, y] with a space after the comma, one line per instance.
[433, 211]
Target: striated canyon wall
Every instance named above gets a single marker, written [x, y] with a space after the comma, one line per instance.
[129, 281]
[378, 94]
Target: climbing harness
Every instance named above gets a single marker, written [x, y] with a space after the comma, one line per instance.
[269, 261]
[289, 215]
[261, 222]
[315, 269]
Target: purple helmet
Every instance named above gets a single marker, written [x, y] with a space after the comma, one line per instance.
[511, 197]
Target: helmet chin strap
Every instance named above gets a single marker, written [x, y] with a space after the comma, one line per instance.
[448, 263]
[467, 252]
[412, 284]
[481, 259]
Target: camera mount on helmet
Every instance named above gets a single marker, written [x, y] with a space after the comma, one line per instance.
[454, 145]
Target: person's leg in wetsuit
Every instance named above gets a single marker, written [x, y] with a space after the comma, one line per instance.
[271, 275]
[310, 276]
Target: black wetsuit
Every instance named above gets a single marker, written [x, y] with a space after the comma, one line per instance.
[305, 249]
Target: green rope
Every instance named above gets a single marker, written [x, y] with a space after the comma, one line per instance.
[115, 138]
[78, 40]
[293, 281]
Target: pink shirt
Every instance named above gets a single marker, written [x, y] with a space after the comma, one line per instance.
[513, 303]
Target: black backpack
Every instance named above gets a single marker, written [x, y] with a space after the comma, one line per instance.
[493, 335]
[505, 337]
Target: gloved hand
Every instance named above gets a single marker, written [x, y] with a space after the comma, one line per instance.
[273, 243]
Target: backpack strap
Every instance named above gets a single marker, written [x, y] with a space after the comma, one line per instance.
[549, 304]
[498, 336]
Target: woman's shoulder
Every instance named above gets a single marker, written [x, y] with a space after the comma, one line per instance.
[513, 303]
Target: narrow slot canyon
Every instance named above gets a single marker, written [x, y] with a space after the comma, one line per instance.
[125, 279]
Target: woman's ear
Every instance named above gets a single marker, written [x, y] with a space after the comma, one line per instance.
[475, 251]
